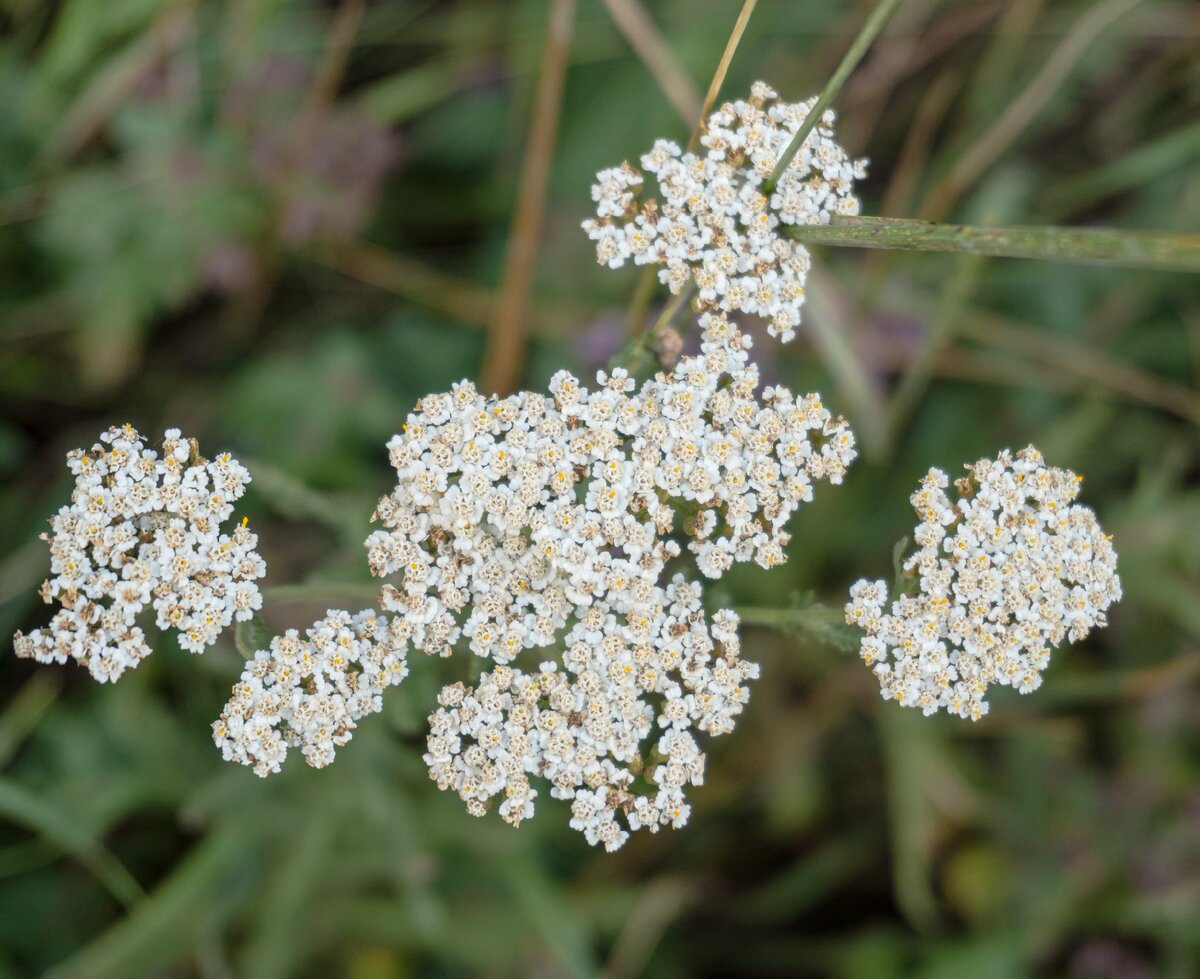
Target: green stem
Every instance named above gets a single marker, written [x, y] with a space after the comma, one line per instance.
[823, 623]
[364, 591]
[670, 311]
[790, 618]
[870, 30]
[633, 355]
[639, 302]
[1100, 246]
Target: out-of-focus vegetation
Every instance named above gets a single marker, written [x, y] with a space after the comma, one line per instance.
[276, 225]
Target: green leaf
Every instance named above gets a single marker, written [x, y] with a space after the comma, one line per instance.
[898, 564]
[250, 636]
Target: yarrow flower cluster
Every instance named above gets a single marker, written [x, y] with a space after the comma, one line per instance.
[1005, 574]
[516, 520]
[310, 693]
[658, 670]
[715, 223]
[560, 520]
[144, 531]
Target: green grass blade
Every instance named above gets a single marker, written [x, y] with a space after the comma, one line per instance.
[870, 30]
[26, 708]
[562, 932]
[165, 927]
[1142, 167]
[272, 951]
[290, 497]
[21, 806]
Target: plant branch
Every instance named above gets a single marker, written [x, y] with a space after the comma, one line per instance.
[327, 79]
[111, 85]
[1098, 246]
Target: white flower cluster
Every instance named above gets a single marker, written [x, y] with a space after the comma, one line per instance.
[517, 519]
[310, 693]
[659, 667]
[1007, 573]
[144, 531]
[715, 223]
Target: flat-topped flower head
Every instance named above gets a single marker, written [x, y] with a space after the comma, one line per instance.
[1004, 574]
[614, 730]
[711, 221]
[549, 520]
[309, 693]
[511, 517]
[144, 531]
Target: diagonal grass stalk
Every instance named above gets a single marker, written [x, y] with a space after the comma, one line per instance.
[644, 291]
[718, 78]
[870, 30]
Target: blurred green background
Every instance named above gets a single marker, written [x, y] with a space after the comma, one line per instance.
[277, 224]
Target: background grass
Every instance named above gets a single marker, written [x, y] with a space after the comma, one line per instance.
[277, 224]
